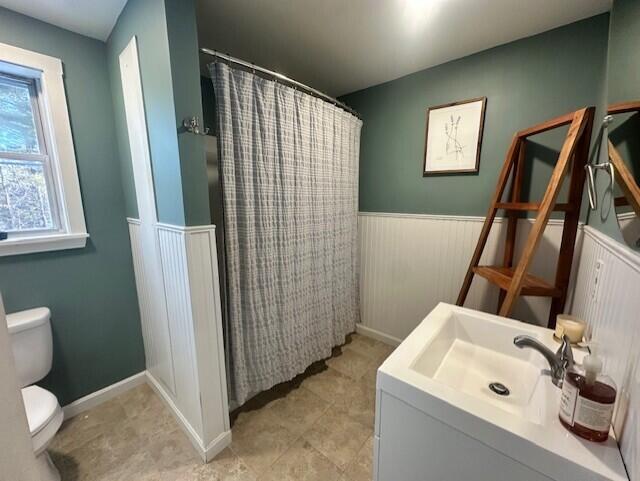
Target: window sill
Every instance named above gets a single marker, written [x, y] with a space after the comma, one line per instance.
[42, 243]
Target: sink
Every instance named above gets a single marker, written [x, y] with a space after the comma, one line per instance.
[457, 399]
[468, 355]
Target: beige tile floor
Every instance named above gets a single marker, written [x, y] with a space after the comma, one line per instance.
[318, 427]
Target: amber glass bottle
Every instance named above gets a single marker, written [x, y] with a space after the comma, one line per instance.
[588, 399]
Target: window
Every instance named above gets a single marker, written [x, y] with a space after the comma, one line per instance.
[25, 193]
[40, 203]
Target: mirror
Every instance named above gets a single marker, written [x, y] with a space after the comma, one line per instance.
[624, 155]
[623, 122]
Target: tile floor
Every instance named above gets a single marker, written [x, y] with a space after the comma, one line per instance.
[317, 427]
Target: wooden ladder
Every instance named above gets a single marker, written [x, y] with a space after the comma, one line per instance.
[514, 281]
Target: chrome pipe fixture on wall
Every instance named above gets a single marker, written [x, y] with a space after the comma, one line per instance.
[192, 125]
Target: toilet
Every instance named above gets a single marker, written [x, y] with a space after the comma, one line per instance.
[32, 344]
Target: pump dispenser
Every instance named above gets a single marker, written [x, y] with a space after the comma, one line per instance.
[592, 365]
[588, 399]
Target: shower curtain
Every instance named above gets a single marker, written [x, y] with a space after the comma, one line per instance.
[289, 164]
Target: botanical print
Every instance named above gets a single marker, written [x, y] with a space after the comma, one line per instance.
[454, 147]
[453, 137]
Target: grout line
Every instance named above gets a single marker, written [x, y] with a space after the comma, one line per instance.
[285, 451]
[357, 453]
[253, 471]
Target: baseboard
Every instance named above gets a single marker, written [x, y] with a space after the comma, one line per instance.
[182, 421]
[217, 445]
[207, 453]
[96, 398]
[377, 335]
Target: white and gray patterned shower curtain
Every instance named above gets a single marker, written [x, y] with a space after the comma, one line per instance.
[289, 166]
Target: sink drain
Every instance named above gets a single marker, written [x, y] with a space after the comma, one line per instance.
[499, 388]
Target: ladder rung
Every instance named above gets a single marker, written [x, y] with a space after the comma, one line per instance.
[531, 206]
[531, 285]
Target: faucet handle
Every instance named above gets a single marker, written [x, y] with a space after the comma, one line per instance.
[565, 353]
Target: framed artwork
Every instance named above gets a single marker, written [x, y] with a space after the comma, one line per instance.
[453, 137]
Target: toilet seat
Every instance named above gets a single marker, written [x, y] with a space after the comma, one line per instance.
[43, 414]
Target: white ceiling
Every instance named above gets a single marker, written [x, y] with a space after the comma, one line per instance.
[340, 46]
[93, 18]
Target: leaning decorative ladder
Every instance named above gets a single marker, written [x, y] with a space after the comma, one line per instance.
[514, 281]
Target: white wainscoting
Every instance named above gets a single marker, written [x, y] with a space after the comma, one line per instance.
[190, 268]
[176, 274]
[152, 303]
[411, 262]
[192, 302]
[607, 296]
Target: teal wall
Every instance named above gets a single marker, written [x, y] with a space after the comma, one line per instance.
[185, 68]
[624, 51]
[91, 291]
[168, 55]
[525, 82]
[147, 21]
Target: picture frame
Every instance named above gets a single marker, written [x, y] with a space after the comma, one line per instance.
[453, 137]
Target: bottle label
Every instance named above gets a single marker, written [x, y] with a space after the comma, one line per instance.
[593, 415]
[568, 401]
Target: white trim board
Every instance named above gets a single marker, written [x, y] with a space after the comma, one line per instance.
[145, 248]
[94, 399]
[624, 253]
[42, 243]
[377, 335]
[463, 218]
[64, 186]
[626, 216]
[184, 229]
[207, 453]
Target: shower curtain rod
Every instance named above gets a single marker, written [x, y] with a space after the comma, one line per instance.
[281, 78]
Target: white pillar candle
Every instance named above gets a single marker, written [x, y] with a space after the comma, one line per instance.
[572, 326]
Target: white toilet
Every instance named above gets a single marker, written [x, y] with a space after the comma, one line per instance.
[30, 333]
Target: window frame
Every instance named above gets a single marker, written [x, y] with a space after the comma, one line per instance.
[54, 131]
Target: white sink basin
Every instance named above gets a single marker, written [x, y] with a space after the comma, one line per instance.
[436, 385]
[467, 355]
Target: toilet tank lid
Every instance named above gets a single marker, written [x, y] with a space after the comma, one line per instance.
[20, 321]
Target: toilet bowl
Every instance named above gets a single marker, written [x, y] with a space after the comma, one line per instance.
[32, 344]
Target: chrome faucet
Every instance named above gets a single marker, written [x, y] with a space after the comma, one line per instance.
[558, 362]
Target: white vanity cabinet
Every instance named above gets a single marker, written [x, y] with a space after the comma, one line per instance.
[437, 419]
